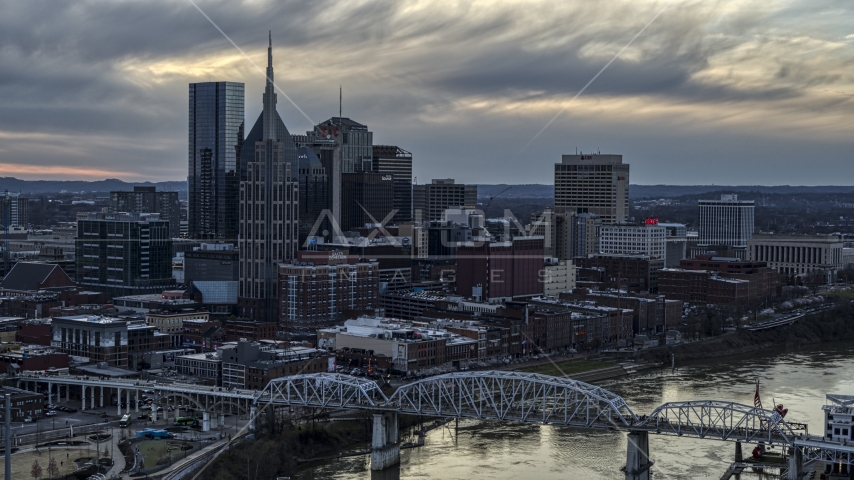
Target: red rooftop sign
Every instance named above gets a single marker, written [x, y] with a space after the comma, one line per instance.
[652, 221]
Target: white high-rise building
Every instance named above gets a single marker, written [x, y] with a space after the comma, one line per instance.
[728, 221]
[597, 184]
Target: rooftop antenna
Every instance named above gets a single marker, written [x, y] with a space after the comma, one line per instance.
[340, 101]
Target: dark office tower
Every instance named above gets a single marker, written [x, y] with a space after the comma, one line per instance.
[149, 200]
[216, 135]
[124, 254]
[313, 195]
[365, 195]
[269, 197]
[397, 162]
[343, 146]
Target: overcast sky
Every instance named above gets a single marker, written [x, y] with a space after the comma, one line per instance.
[713, 91]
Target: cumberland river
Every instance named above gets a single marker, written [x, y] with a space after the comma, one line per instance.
[798, 378]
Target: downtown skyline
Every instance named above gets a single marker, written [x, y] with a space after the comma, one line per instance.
[729, 93]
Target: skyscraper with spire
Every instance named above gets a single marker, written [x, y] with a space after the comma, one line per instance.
[268, 207]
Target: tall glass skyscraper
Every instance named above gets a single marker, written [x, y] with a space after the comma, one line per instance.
[215, 139]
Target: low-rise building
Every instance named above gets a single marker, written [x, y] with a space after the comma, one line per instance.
[28, 278]
[798, 254]
[409, 346]
[408, 305]
[236, 330]
[100, 339]
[650, 315]
[173, 322]
[24, 404]
[638, 273]
[252, 365]
[31, 358]
[703, 286]
[558, 276]
[206, 366]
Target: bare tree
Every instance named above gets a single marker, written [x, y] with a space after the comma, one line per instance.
[52, 468]
[36, 470]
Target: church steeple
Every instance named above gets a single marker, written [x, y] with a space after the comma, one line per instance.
[269, 115]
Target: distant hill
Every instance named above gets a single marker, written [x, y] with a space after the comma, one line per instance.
[71, 186]
[660, 191]
[664, 191]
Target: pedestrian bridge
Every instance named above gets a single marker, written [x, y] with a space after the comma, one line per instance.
[483, 395]
[530, 398]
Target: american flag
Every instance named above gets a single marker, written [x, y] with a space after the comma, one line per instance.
[757, 402]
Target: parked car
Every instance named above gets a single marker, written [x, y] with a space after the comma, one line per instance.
[28, 420]
[49, 413]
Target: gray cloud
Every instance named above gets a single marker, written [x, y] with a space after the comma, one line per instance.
[463, 86]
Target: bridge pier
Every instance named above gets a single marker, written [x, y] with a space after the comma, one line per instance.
[638, 462]
[385, 448]
[796, 464]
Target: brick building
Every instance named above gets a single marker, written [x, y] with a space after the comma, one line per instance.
[650, 315]
[32, 359]
[491, 270]
[703, 286]
[633, 272]
[236, 330]
[24, 404]
[765, 282]
[31, 333]
[323, 287]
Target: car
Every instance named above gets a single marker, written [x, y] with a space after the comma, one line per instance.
[142, 416]
[49, 413]
[28, 420]
[70, 410]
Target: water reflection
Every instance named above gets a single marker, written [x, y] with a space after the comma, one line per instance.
[797, 378]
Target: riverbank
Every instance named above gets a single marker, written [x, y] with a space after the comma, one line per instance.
[283, 448]
[830, 326]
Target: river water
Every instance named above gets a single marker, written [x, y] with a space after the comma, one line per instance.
[797, 378]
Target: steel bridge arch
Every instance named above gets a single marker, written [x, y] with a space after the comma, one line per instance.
[327, 390]
[721, 420]
[514, 396]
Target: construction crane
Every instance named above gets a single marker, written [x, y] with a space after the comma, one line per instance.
[7, 211]
[489, 203]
